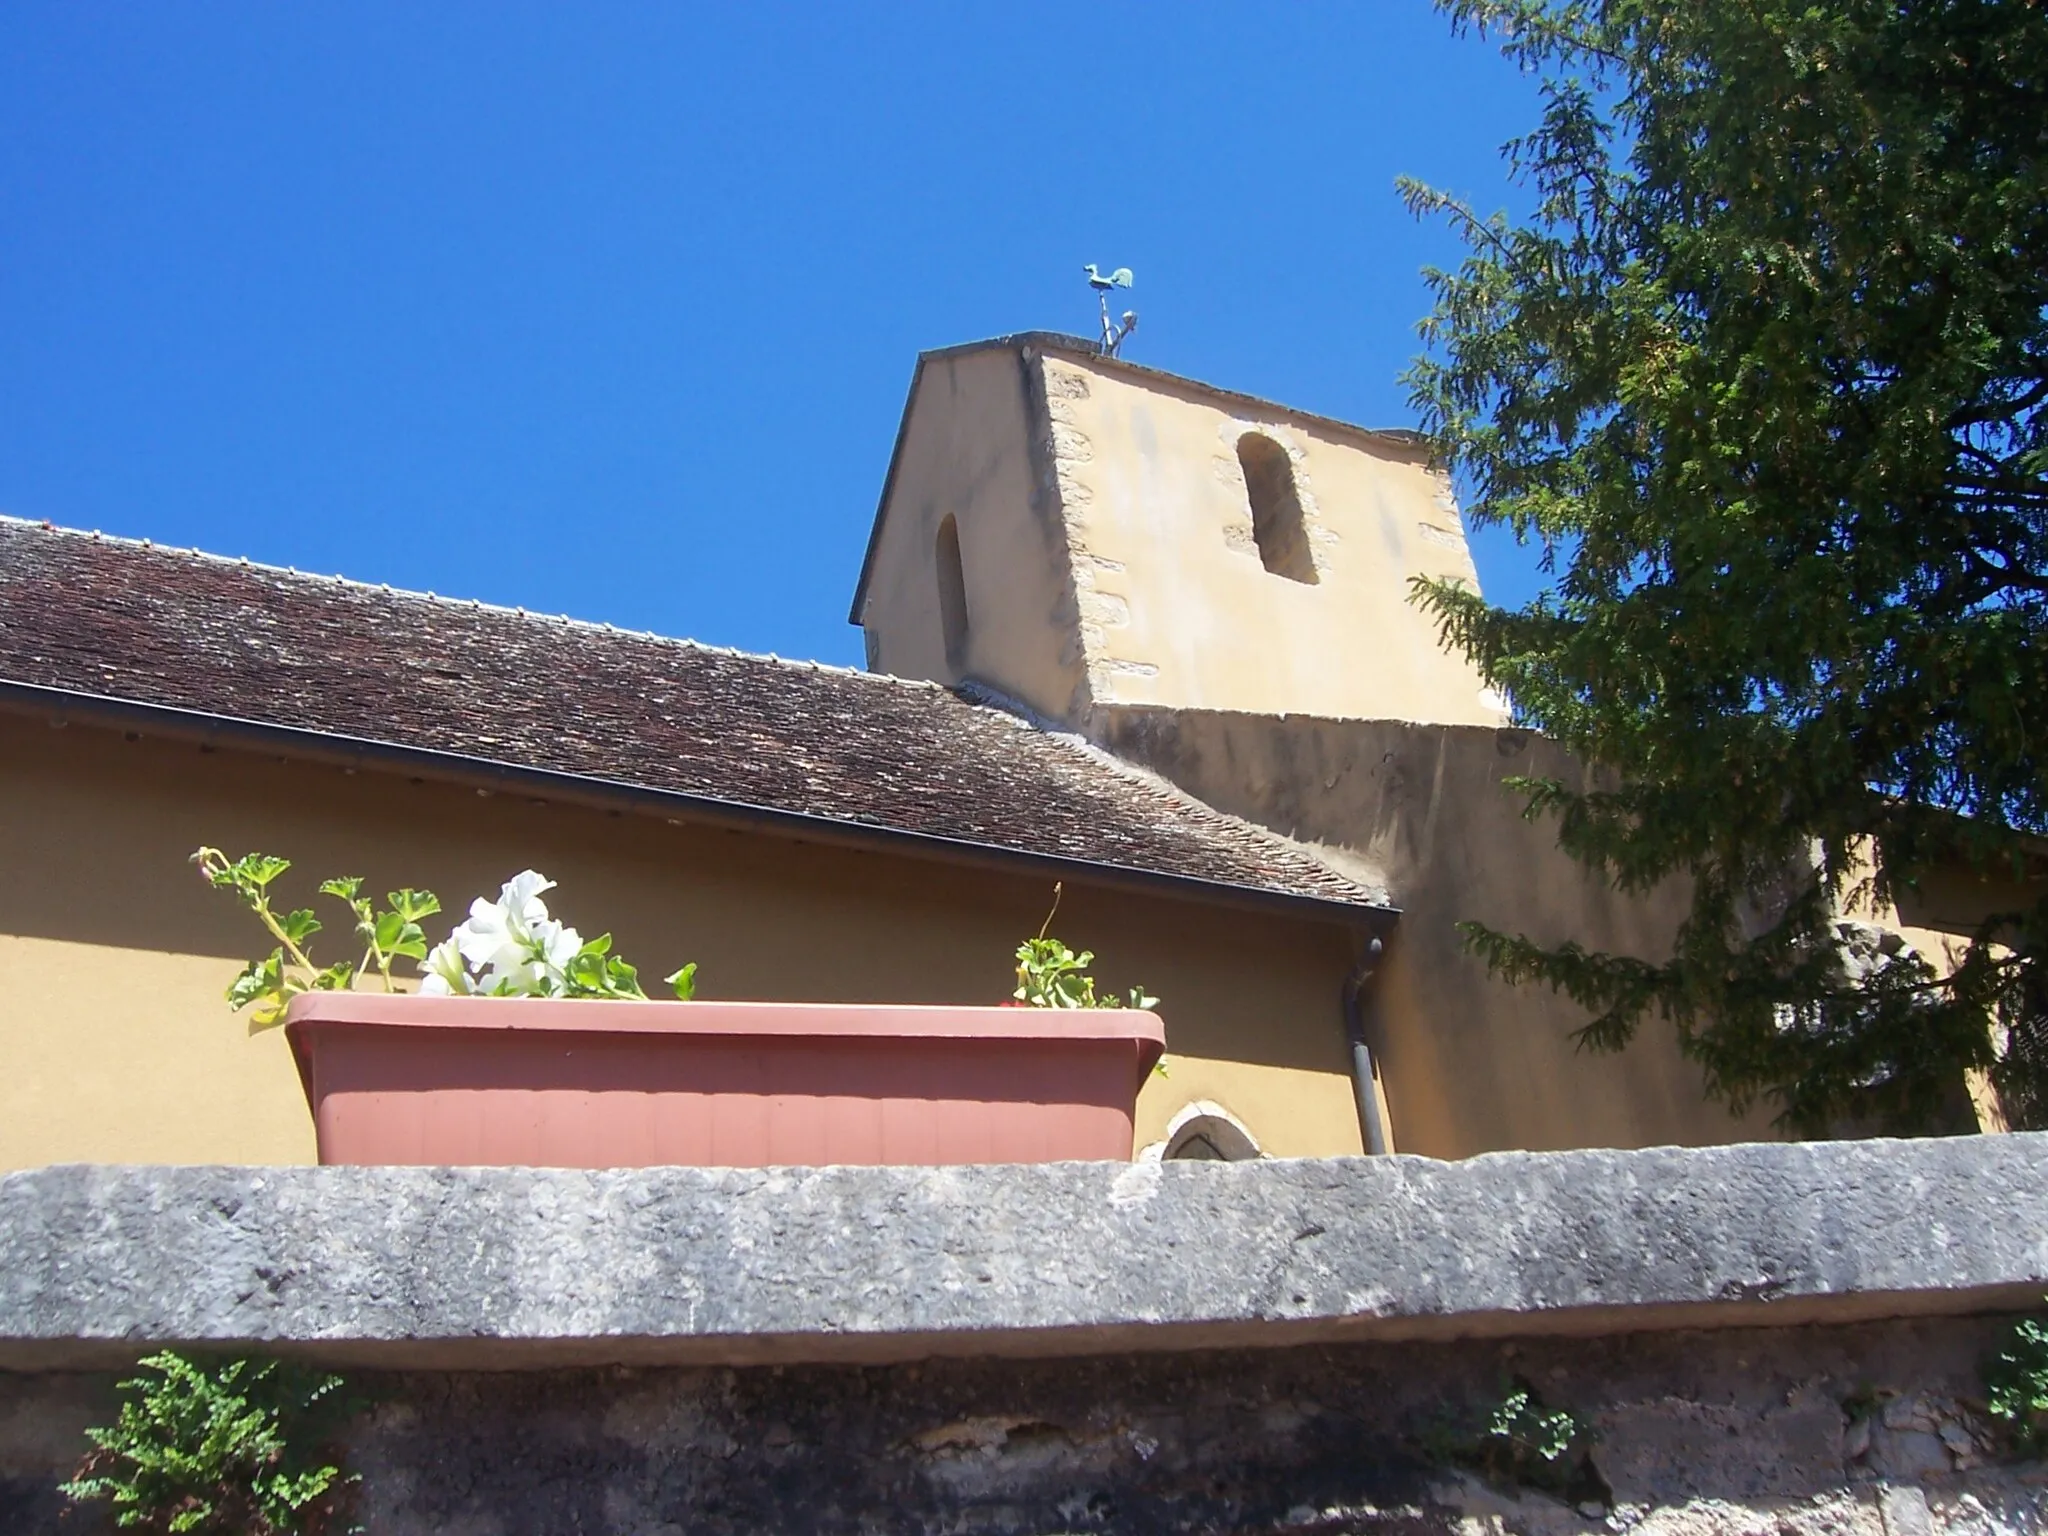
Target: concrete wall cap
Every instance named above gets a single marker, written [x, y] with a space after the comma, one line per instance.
[504, 1268]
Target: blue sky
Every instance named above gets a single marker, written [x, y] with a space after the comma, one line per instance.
[609, 309]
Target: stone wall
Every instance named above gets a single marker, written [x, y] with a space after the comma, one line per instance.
[1773, 1340]
[1864, 1430]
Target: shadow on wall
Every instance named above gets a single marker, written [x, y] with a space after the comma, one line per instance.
[1738, 1430]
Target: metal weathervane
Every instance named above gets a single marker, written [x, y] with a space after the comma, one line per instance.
[1114, 333]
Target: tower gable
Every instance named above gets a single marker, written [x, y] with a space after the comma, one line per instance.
[1125, 536]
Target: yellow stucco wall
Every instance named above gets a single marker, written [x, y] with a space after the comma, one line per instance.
[1468, 1063]
[1133, 604]
[968, 452]
[1106, 534]
[1938, 917]
[1177, 608]
[118, 1047]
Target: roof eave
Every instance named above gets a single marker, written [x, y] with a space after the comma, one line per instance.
[206, 728]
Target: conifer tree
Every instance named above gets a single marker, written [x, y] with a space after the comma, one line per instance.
[1765, 373]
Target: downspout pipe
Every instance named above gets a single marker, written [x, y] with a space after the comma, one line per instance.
[1372, 1126]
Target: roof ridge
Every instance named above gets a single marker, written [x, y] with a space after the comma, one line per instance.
[1086, 350]
[467, 604]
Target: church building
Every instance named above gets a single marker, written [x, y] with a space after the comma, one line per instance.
[1142, 637]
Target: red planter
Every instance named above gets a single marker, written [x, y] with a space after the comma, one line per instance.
[393, 1078]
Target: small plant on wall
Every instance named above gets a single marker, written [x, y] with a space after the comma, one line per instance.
[512, 947]
[1050, 975]
[1520, 1442]
[2016, 1388]
[236, 1446]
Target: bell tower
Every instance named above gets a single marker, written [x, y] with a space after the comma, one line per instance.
[1078, 531]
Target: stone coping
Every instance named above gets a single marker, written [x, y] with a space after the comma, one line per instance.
[462, 1268]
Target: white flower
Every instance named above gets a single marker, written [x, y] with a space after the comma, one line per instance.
[556, 944]
[499, 935]
[486, 937]
[519, 978]
[538, 966]
[520, 896]
[510, 947]
[441, 973]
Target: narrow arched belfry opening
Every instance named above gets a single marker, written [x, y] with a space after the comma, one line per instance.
[952, 593]
[1278, 527]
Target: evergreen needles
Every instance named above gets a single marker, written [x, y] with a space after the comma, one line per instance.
[1766, 375]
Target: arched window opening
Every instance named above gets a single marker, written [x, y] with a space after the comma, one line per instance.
[952, 593]
[1208, 1133]
[1277, 524]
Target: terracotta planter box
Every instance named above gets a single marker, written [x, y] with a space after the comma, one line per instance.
[465, 1080]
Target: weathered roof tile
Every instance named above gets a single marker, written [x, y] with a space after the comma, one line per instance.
[185, 630]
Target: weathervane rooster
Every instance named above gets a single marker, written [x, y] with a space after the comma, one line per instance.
[1114, 333]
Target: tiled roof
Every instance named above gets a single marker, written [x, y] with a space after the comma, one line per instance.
[183, 630]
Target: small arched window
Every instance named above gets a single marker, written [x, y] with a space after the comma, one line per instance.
[1208, 1133]
[1277, 525]
[952, 593]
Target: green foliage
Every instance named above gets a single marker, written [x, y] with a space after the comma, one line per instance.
[510, 948]
[235, 1447]
[2016, 1388]
[1527, 1444]
[269, 984]
[1520, 1443]
[1050, 975]
[1766, 374]
[594, 971]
